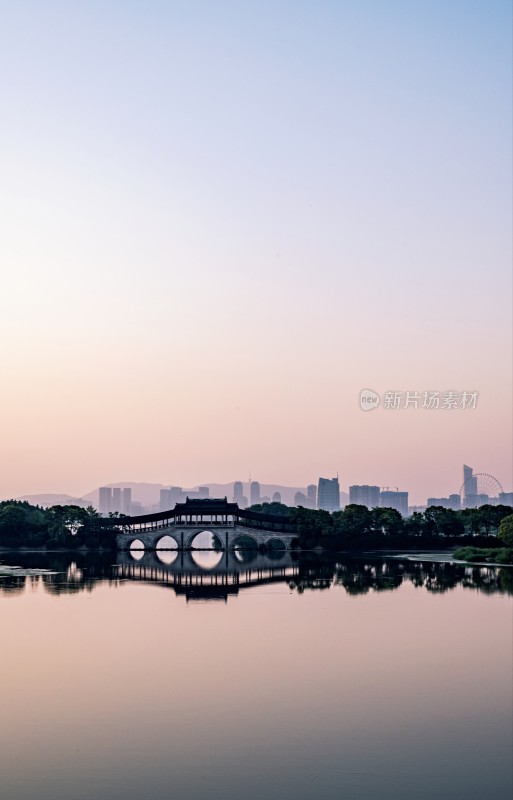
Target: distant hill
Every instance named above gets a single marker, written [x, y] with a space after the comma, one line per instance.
[148, 494]
[47, 500]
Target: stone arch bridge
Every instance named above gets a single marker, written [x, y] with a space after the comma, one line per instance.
[231, 526]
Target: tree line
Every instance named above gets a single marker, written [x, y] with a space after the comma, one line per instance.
[357, 524]
[69, 527]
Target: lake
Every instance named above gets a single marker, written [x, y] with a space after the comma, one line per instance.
[211, 676]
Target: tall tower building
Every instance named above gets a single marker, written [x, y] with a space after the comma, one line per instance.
[254, 492]
[238, 491]
[364, 496]
[170, 497]
[397, 500]
[469, 487]
[165, 503]
[105, 500]
[126, 502]
[311, 493]
[506, 498]
[328, 494]
[116, 499]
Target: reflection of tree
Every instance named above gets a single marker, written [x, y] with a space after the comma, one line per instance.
[78, 572]
[506, 580]
[67, 572]
[359, 577]
[12, 584]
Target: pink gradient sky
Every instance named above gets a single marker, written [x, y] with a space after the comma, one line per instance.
[218, 227]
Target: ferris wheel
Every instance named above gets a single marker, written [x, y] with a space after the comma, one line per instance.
[479, 489]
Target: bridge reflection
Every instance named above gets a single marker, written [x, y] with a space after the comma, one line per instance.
[211, 575]
[208, 575]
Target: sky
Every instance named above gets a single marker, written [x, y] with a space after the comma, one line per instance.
[219, 222]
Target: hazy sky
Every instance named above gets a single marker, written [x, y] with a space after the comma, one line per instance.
[220, 221]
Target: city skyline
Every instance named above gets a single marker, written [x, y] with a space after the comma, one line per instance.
[249, 492]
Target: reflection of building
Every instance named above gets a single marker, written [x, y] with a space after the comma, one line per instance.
[397, 500]
[254, 492]
[364, 496]
[328, 494]
[453, 501]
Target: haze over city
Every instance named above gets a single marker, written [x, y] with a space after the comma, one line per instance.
[222, 221]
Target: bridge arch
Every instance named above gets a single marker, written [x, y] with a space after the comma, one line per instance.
[166, 542]
[275, 543]
[215, 544]
[137, 549]
[244, 541]
[275, 548]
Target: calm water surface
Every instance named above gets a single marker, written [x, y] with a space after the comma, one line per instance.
[247, 677]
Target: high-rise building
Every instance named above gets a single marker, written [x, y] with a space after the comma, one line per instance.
[453, 502]
[105, 500]
[116, 499]
[254, 492]
[476, 500]
[365, 496]
[397, 500]
[300, 499]
[164, 504]
[506, 498]
[328, 494]
[170, 497]
[238, 491]
[276, 497]
[311, 493]
[469, 487]
[126, 502]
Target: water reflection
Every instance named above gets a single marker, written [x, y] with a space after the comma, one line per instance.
[167, 557]
[137, 549]
[207, 559]
[212, 574]
[330, 678]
